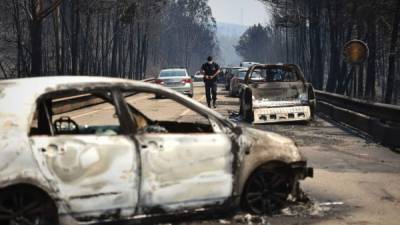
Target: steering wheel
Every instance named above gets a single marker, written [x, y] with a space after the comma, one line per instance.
[65, 125]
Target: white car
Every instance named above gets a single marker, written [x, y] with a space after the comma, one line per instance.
[198, 76]
[118, 164]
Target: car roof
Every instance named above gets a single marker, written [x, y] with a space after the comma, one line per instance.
[173, 69]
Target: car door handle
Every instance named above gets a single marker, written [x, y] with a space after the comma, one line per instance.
[52, 148]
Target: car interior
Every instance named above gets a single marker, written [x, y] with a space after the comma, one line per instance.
[99, 117]
[50, 119]
[149, 121]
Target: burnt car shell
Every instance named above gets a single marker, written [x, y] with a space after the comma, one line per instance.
[31, 163]
[282, 101]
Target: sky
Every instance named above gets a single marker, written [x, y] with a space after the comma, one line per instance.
[243, 12]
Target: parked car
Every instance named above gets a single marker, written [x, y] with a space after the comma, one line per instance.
[176, 79]
[231, 72]
[236, 81]
[198, 76]
[276, 93]
[57, 167]
[248, 64]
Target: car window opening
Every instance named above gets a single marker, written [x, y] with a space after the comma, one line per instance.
[99, 118]
[149, 118]
[274, 75]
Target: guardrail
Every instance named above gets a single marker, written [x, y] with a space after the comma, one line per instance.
[380, 121]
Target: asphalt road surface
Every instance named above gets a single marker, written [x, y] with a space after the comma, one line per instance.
[357, 182]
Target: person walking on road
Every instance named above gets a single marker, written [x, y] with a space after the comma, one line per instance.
[210, 70]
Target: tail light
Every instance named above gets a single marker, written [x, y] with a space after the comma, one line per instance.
[187, 81]
[158, 81]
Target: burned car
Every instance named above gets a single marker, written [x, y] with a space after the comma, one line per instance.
[236, 81]
[81, 150]
[229, 74]
[276, 93]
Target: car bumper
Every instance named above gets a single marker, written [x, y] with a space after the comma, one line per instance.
[183, 90]
[281, 114]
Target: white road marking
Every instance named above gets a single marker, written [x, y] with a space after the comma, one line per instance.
[106, 108]
[85, 114]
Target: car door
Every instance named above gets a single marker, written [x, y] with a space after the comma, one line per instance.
[182, 169]
[96, 174]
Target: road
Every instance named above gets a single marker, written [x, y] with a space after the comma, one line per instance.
[357, 182]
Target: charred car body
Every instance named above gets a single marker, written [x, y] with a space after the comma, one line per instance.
[236, 81]
[229, 74]
[55, 169]
[276, 93]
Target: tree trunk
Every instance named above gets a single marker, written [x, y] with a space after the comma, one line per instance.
[371, 67]
[334, 49]
[114, 53]
[392, 56]
[75, 24]
[36, 46]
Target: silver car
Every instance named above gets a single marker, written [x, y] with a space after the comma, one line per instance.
[176, 79]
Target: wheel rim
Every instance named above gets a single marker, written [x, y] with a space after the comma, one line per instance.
[25, 208]
[266, 192]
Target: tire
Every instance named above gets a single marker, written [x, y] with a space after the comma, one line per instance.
[33, 207]
[267, 190]
[190, 95]
[247, 106]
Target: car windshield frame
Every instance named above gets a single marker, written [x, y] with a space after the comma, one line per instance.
[271, 77]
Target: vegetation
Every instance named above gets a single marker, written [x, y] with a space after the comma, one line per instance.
[312, 33]
[119, 38]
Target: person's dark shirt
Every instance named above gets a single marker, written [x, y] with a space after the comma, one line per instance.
[209, 70]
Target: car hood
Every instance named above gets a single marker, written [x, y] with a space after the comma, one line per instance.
[278, 91]
[272, 145]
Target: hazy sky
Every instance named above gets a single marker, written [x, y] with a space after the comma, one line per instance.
[245, 12]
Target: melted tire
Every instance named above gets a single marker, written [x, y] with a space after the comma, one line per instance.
[21, 205]
[267, 191]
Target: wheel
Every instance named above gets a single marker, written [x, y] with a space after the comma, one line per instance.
[267, 191]
[190, 95]
[20, 205]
